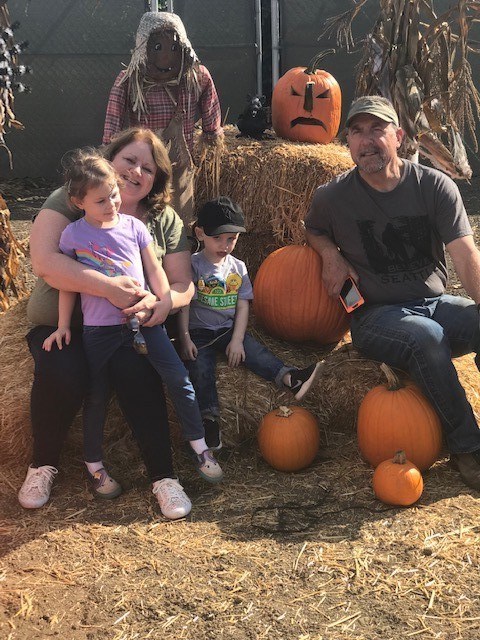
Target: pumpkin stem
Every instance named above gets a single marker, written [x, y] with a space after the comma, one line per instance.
[315, 61]
[393, 381]
[284, 412]
[399, 457]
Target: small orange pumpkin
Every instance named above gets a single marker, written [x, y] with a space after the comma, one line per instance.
[289, 438]
[307, 104]
[398, 481]
[290, 300]
[397, 416]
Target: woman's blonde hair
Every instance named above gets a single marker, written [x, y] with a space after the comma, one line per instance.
[161, 190]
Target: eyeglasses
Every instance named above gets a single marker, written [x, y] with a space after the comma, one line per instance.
[139, 343]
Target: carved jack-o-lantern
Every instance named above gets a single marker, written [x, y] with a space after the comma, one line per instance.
[307, 104]
[164, 56]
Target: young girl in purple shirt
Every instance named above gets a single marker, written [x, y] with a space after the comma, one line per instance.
[117, 244]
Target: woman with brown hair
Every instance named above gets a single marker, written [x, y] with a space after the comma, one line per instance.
[61, 375]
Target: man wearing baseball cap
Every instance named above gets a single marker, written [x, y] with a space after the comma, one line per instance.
[375, 106]
[218, 316]
[386, 224]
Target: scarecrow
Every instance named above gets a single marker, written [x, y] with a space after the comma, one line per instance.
[164, 88]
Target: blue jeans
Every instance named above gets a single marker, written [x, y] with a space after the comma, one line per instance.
[421, 337]
[100, 344]
[202, 370]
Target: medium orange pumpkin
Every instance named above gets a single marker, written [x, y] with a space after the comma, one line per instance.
[398, 481]
[290, 300]
[289, 438]
[307, 104]
[397, 416]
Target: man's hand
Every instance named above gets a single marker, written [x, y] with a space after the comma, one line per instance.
[235, 353]
[335, 270]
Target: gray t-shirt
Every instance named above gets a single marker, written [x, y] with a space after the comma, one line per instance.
[218, 287]
[395, 240]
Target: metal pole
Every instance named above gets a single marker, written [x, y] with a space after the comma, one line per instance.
[153, 5]
[259, 45]
[170, 6]
[275, 17]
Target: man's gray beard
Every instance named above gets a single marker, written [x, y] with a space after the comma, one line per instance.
[372, 166]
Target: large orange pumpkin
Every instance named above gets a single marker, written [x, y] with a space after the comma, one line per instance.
[307, 104]
[398, 481]
[290, 300]
[289, 438]
[396, 416]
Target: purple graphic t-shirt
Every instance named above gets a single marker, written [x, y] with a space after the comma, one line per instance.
[114, 252]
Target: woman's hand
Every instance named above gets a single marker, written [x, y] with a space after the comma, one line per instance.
[160, 311]
[57, 336]
[235, 353]
[188, 350]
[147, 302]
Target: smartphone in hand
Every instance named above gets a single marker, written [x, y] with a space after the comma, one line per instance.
[350, 296]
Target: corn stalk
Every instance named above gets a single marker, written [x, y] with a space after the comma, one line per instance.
[7, 116]
[420, 62]
[11, 250]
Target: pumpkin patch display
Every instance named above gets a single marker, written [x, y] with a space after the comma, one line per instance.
[289, 438]
[290, 300]
[307, 104]
[396, 416]
[398, 481]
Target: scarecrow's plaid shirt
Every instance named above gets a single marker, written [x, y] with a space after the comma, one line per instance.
[160, 108]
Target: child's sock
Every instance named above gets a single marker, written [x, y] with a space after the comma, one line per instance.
[94, 466]
[287, 379]
[199, 446]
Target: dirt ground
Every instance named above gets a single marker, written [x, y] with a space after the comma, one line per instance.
[266, 555]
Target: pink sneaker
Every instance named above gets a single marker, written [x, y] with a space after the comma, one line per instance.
[35, 491]
[173, 500]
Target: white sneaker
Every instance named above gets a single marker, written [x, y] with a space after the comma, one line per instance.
[36, 488]
[173, 500]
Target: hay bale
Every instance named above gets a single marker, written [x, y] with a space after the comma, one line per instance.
[16, 373]
[273, 180]
[244, 397]
[346, 378]
[253, 248]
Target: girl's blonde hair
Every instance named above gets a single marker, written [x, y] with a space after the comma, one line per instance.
[85, 169]
[161, 190]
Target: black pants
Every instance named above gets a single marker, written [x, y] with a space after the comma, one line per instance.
[59, 386]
